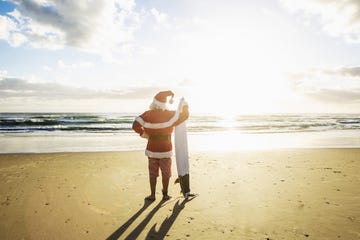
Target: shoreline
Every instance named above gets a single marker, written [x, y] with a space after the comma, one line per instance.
[256, 194]
[195, 152]
[225, 141]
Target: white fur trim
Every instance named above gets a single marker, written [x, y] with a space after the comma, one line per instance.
[161, 105]
[158, 154]
[163, 124]
[140, 120]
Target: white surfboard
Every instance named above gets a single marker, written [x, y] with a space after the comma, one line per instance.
[181, 145]
[182, 157]
[181, 149]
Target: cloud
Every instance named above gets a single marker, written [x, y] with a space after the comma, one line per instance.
[350, 71]
[62, 65]
[20, 94]
[338, 17]
[162, 19]
[9, 33]
[3, 73]
[46, 68]
[11, 87]
[336, 95]
[337, 85]
[100, 26]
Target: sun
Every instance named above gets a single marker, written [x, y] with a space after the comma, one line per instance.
[243, 73]
[235, 99]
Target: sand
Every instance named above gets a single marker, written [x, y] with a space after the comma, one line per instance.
[273, 194]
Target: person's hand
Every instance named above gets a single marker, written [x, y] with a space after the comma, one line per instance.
[144, 135]
[183, 101]
[183, 105]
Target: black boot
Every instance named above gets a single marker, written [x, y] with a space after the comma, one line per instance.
[185, 184]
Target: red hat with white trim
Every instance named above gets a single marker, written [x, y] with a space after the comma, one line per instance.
[160, 99]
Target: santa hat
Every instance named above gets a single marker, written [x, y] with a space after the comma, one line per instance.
[160, 99]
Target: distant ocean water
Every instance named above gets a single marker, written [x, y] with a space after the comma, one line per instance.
[53, 132]
[61, 123]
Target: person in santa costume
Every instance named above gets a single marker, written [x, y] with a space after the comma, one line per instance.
[157, 126]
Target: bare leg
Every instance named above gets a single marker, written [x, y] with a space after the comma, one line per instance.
[165, 183]
[152, 165]
[152, 185]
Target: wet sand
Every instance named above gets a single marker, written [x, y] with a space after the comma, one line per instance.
[272, 194]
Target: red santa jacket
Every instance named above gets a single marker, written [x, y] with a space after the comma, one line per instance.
[158, 125]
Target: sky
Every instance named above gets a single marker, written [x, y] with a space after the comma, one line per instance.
[225, 57]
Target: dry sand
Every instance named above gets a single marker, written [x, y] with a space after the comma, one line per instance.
[277, 194]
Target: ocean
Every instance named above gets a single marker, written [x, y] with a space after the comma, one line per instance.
[72, 132]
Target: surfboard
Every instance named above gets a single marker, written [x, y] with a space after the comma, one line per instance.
[181, 149]
[181, 144]
[182, 156]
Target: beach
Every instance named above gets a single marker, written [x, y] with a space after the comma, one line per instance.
[260, 99]
[248, 194]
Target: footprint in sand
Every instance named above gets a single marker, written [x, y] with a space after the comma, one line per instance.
[7, 201]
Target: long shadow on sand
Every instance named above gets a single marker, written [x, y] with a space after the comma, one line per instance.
[120, 231]
[136, 232]
[168, 222]
[152, 234]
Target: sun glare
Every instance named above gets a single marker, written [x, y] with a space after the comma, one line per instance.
[243, 73]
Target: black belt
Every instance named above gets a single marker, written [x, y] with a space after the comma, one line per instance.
[160, 137]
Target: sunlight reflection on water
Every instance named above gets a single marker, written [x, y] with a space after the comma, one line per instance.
[232, 140]
[214, 141]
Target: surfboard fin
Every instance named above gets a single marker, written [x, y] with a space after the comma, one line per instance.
[177, 180]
